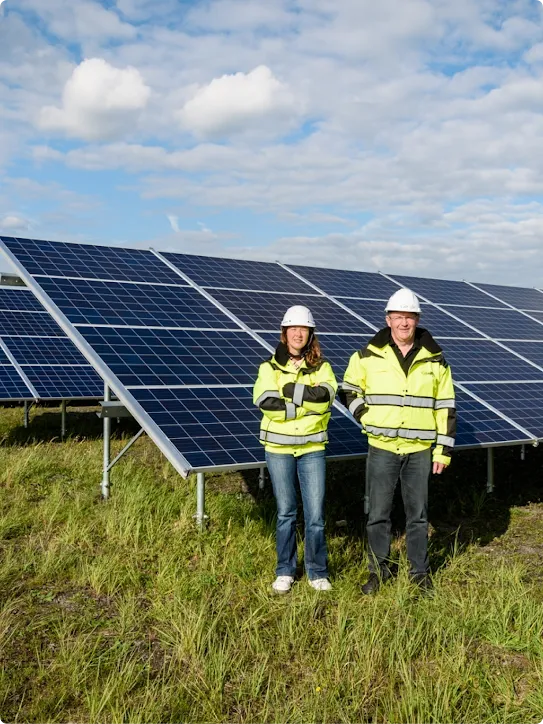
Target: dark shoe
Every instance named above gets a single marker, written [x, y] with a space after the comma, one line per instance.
[423, 581]
[372, 584]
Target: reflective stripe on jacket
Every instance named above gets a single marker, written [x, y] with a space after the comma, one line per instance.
[296, 404]
[403, 413]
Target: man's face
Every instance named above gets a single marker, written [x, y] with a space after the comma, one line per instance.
[402, 326]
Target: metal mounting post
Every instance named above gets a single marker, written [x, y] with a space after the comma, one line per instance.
[523, 452]
[63, 419]
[26, 413]
[262, 478]
[200, 500]
[490, 470]
[107, 443]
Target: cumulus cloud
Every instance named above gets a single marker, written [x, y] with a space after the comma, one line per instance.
[11, 222]
[99, 102]
[238, 102]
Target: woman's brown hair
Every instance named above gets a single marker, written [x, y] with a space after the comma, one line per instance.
[312, 352]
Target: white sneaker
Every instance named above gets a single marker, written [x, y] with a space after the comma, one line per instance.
[283, 584]
[321, 584]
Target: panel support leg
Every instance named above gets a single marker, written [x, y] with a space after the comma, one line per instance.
[63, 419]
[107, 443]
[262, 478]
[490, 470]
[523, 452]
[26, 414]
[200, 500]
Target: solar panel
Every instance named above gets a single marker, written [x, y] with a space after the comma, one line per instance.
[262, 310]
[55, 258]
[519, 297]
[133, 304]
[478, 425]
[12, 386]
[500, 323]
[482, 360]
[522, 403]
[236, 273]
[342, 283]
[191, 388]
[175, 357]
[34, 354]
[531, 350]
[20, 299]
[443, 291]
[33, 323]
[44, 350]
[65, 382]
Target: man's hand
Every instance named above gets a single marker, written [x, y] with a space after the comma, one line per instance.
[438, 468]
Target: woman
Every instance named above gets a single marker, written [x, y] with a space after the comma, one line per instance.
[295, 390]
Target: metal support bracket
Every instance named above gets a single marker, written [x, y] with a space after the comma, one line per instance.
[113, 409]
[27, 406]
[490, 470]
[262, 478]
[63, 419]
[200, 516]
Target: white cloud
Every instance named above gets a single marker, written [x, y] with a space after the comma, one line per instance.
[174, 222]
[238, 102]
[99, 102]
[12, 222]
[79, 20]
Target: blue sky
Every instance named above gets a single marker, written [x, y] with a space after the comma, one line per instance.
[401, 135]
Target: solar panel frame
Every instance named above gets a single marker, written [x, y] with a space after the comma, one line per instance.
[521, 298]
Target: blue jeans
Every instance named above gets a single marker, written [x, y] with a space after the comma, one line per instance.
[311, 470]
[383, 468]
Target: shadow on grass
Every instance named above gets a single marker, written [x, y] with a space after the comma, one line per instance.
[81, 424]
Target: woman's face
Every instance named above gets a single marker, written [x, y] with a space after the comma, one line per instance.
[297, 338]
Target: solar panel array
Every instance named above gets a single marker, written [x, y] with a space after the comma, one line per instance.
[179, 339]
[38, 360]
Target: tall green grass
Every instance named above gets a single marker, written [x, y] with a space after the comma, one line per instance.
[122, 612]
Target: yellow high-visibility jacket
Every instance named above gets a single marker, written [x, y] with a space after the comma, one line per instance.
[296, 404]
[398, 412]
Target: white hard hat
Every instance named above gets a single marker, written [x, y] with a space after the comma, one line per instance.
[298, 316]
[403, 301]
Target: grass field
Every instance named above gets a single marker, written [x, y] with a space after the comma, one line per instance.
[122, 612]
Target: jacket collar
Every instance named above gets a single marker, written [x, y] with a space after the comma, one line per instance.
[423, 338]
[281, 354]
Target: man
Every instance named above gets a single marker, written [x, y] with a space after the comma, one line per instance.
[400, 388]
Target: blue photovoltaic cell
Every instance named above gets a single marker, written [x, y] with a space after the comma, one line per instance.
[210, 427]
[432, 319]
[33, 323]
[443, 291]
[338, 348]
[260, 310]
[220, 426]
[342, 283]
[85, 302]
[521, 403]
[44, 350]
[481, 360]
[345, 437]
[4, 359]
[208, 271]
[478, 425]
[53, 258]
[531, 350]
[65, 382]
[16, 298]
[175, 357]
[500, 323]
[519, 297]
[12, 386]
